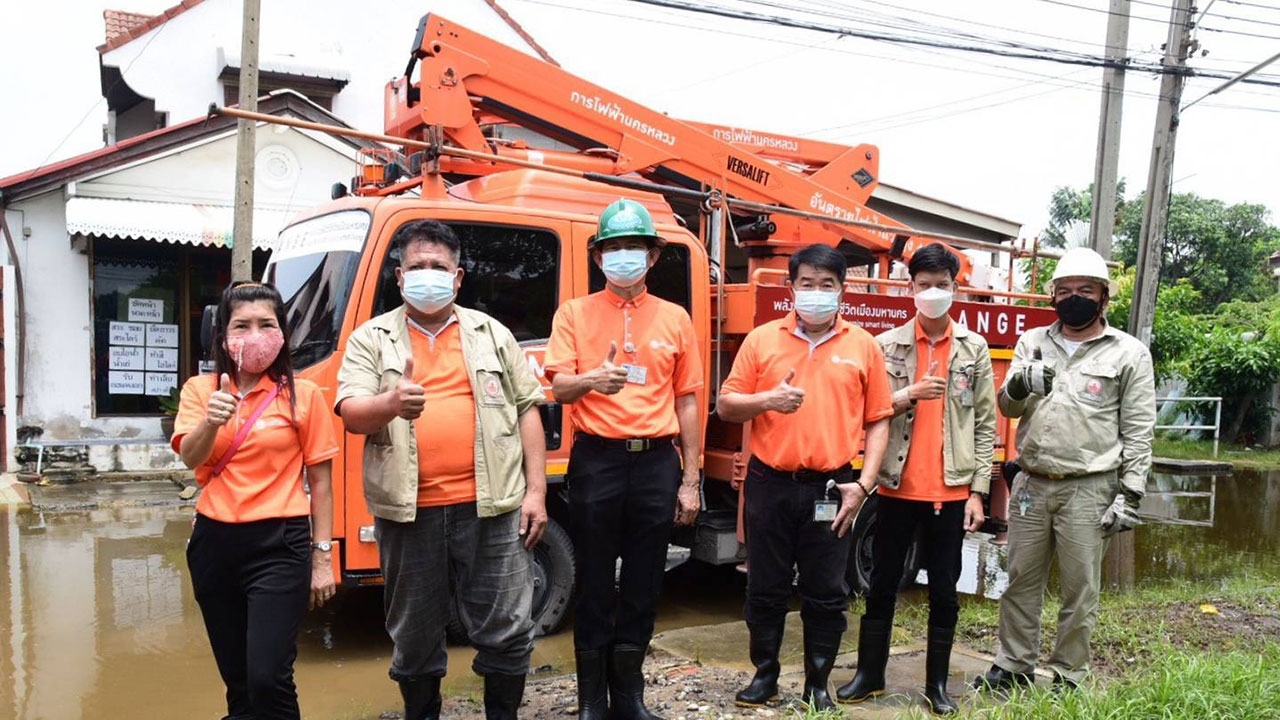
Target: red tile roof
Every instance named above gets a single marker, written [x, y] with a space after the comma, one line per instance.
[121, 23]
[142, 28]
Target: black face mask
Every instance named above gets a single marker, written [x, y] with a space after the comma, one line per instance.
[1077, 312]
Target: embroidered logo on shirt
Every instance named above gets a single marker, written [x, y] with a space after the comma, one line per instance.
[660, 345]
[844, 361]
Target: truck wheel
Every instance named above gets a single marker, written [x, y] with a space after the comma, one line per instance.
[861, 552]
[553, 573]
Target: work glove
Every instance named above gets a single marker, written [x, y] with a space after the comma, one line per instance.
[1034, 377]
[1121, 516]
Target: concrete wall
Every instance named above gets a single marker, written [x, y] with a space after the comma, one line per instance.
[177, 64]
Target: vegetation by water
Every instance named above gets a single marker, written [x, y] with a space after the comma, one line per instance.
[1240, 456]
[1172, 650]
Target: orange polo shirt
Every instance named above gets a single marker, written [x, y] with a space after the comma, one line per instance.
[446, 430]
[924, 472]
[653, 336]
[264, 478]
[846, 388]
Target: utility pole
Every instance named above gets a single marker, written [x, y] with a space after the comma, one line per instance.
[1155, 212]
[1103, 221]
[246, 147]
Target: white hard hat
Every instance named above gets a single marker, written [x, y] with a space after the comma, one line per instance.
[1081, 262]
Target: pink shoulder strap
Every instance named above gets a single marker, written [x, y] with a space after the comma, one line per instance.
[244, 430]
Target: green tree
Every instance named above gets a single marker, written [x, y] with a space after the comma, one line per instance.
[1177, 328]
[1220, 249]
[1068, 206]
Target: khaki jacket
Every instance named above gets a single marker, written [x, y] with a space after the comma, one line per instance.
[1100, 416]
[969, 424]
[502, 383]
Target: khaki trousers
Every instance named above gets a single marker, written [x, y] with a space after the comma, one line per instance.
[1048, 517]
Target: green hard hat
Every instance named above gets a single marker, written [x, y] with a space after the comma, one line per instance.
[625, 218]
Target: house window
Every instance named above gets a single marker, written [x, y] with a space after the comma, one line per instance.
[136, 324]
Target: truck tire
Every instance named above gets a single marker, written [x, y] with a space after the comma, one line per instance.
[553, 572]
[862, 537]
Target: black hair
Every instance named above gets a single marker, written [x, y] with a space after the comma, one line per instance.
[239, 293]
[932, 258]
[430, 231]
[822, 257]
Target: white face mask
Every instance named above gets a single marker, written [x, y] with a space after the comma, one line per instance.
[934, 302]
[817, 307]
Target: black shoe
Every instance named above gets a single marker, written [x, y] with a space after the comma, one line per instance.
[766, 643]
[997, 678]
[421, 698]
[593, 691]
[820, 650]
[502, 696]
[1062, 684]
[873, 657]
[626, 684]
[937, 664]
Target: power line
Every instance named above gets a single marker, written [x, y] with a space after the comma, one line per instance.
[1105, 11]
[1252, 4]
[925, 42]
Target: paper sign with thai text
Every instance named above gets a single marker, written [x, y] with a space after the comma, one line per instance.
[123, 333]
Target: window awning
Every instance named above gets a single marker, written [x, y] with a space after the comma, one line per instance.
[189, 224]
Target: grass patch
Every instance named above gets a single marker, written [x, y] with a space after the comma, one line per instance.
[1240, 456]
[1135, 629]
[1179, 684]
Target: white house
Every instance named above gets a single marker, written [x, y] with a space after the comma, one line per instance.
[111, 256]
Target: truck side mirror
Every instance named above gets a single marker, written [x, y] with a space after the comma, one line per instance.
[207, 322]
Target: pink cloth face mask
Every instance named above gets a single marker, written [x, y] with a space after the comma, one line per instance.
[254, 352]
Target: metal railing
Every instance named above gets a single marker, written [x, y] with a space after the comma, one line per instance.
[1217, 416]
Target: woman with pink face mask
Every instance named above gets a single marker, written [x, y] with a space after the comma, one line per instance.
[260, 550]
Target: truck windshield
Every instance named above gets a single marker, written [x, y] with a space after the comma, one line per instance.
[313, 265]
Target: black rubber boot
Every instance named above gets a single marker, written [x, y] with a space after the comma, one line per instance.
[820, 650]
[421, 698]
[502, 696]
[937, 664]
[593, 692]
[626, 684]
[999, 679]
[766, 643]
[873, 657]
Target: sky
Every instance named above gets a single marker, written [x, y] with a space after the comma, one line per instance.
[991, 133]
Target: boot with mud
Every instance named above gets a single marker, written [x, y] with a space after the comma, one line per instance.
[593, 692]
[820, 650]
[766, 643]
[626, 684]
[421, 698]
[873, 657]
[502, 696]
[937, 665]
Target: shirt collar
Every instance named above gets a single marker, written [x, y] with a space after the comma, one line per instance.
[265, 383]
[616, 300]
[922, 337]
[792, 322]
[414, 325]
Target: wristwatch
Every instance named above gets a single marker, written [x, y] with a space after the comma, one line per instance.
[323, 545]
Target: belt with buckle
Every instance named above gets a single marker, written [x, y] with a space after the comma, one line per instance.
[631, 445]
[840, 475]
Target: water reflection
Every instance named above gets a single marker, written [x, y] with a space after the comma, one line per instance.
[97, 619]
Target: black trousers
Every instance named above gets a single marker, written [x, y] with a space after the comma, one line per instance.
[252, 581]
[941, 540]
[781, 534]
[622, 505]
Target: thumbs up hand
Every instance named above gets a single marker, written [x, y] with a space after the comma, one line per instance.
[785, 398]
[408, 397]
[609, 379]
[930, 387]
[221, 403]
